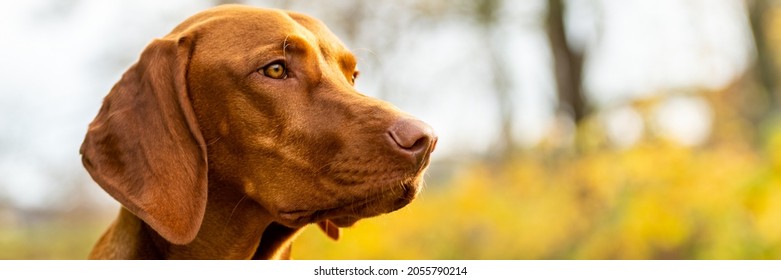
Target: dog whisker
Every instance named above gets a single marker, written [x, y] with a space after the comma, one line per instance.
[227, 222]
[212, 142]
[285, 44]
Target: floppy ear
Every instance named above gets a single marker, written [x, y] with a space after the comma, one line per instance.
[145, 147]
[330, 229]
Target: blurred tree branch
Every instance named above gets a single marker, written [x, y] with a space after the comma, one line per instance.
[763, 68]
[487, 15]
[567, 65]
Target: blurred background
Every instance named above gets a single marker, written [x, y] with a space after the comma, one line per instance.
[569, 129]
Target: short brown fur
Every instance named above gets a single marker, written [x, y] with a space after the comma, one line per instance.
[211, 159]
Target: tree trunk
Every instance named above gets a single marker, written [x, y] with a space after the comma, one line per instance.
[763, 68]
[486, 12]
[567, 65]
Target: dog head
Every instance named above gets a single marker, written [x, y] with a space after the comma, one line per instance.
[262, 102]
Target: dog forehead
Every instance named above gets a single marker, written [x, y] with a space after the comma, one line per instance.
[234, 21]
[317, 28]
[328, 43]
[241, 28]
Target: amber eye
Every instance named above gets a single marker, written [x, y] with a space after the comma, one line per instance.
[275, 71]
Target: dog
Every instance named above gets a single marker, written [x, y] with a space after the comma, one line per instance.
[239, 128]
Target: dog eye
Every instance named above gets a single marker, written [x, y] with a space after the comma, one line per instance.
[275, 71]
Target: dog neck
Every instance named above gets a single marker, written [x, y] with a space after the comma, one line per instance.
[234, 227]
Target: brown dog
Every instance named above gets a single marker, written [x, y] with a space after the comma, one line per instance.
[237, 129]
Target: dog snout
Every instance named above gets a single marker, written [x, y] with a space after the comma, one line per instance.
[412, 138]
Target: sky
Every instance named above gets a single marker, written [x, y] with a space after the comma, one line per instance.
[59, 58]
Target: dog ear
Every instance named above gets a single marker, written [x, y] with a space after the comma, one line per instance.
[330, 229]
[145, 147]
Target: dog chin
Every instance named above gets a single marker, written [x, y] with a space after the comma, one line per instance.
[348, 215]
[346, 221]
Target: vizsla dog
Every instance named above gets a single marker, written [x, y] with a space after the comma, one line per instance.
[239, 128]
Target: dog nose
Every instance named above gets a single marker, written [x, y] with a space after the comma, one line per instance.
[413, 138]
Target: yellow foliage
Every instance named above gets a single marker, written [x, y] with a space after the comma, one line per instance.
[655, 200]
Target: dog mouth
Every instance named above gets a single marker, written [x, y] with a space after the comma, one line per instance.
[347, 214]
[355, 188]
